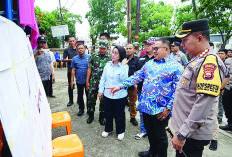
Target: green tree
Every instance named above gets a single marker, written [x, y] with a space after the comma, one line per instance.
[47, 19]
[218, 12]
[155, 20]
[104, 16]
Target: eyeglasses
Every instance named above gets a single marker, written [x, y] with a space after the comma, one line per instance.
[157, 48]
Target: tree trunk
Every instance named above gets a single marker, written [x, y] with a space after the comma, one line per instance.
[129, 21]
[137, 21]
[223, 40]
[194, 8]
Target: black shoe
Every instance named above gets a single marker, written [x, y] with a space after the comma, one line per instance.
[213, 145]
[226, 127]
[80, 113]
[144, 154]
[102, 120]
[91, 117]
[52, 96]
[134, 121]
[69, 104]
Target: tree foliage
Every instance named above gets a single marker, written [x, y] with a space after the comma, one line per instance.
[104, 16]
[47, 19]
[218, 12]
[155, 20]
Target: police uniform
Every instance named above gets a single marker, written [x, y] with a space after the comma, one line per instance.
[196, 94]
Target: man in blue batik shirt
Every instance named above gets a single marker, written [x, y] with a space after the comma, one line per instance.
[160, 76]
[79, 66]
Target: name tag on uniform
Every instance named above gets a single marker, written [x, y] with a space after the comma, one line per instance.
[141, 59]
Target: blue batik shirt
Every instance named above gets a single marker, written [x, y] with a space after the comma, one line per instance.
[80, 63]
[160, 81]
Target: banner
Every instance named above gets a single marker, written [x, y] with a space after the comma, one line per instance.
[24, 110]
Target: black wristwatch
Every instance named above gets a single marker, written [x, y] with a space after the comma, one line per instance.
[181, 137]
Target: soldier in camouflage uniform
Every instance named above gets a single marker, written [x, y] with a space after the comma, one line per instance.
[96, 65]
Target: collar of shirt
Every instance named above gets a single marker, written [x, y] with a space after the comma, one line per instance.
[119, 64]
[146, 56]
[83, 56]
[163, 60]
[175, 53]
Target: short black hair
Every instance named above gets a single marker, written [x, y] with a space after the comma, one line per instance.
[78, 44]
[71, 37]
[205, 34]
[131, 44]
[122, 52]
[165, 41]
[223, 50]
[107, 35]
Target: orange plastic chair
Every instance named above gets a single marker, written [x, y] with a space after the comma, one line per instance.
[62, 119]
[55, 64]
[67, 146]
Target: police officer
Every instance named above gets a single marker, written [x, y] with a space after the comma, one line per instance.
[95, 69]
[197, 92]
[178, 55]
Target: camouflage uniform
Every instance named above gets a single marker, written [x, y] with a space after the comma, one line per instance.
[97, 63]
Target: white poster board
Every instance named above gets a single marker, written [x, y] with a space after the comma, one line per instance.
[58, 31]
[24, 110]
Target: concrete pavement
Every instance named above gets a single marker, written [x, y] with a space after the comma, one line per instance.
[97, 146]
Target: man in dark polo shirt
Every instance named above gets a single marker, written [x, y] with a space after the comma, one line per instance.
[132, 91]
[69, 53]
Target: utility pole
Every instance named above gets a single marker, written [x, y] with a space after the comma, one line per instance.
[9, 9]
[137, 21]
[129, 21]
[61, 19]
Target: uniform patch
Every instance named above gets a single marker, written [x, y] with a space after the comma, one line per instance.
[209, 80]
[184, 81]
[209, 69]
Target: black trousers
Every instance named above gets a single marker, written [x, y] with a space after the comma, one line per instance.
[157, 135]
[70, 90]
[46, 86]
[193, 148]
[227, 104]
[50, 91]
[115, 108]
[80, 93]
[59, 63]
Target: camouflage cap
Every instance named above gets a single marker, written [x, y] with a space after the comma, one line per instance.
[103, 44]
